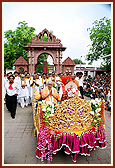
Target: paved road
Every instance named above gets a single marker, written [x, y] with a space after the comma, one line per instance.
[20, 143]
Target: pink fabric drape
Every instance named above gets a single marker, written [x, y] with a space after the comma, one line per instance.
[76, 145]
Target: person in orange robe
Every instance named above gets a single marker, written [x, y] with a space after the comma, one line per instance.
[49, 93]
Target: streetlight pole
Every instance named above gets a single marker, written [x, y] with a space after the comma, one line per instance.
[80, 62]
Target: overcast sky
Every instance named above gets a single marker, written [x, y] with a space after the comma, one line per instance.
[68, 21]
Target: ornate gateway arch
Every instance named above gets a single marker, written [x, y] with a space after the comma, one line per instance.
[53, 47]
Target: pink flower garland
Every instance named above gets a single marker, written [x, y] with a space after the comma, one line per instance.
[44, 144]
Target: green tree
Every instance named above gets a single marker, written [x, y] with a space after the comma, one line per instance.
[100, 36]
[90, 63]
[14, 43]
[106, 66]
[78, 61]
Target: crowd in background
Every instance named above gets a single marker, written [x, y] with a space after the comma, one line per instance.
[95, 87]
[99, 86]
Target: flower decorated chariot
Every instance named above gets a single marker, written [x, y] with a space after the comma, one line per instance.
[76, 125]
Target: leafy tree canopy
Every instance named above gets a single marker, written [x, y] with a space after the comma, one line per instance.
[90, 63]
[14, 43]
[106, 65]
[100, 36]
[78, 61]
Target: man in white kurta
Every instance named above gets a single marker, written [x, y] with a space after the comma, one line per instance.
[28, 81]
[17, 80]
[24, 93]
[39, 81]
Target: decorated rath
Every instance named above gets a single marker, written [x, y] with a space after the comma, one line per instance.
[76, 125]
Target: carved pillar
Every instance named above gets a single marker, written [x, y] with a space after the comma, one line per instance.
[29, 57]
[54, 68]
[31, 61]
[57, 61]
[29, 54]
[33, 65]
[60, 60]
[32, 52]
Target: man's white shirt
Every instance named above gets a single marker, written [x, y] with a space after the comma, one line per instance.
[15, 90]
[80, 81]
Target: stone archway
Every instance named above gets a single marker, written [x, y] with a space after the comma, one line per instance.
[53, 47]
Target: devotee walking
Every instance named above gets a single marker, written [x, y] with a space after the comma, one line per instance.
[11, 90]
[24, 93]
[77, 76]
[53, 79]
[17, 80]
[58, 82]
[28, 78]
[34, 84]
[44, 80]
[39, 82]
[80, 80]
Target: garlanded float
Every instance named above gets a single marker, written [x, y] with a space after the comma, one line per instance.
[76, 125]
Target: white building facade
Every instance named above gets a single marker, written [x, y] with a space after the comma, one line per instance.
[86, 69]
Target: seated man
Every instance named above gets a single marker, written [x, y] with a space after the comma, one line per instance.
[49, 93]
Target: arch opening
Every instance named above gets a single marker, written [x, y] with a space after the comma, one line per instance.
[21, 70]
[44, 37]
[44, 63]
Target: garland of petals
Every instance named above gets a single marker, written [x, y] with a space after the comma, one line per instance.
[44, 145]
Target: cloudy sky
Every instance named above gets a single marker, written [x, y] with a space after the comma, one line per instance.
[68, 21]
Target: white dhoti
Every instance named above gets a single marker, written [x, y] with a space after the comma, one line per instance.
[30, 96]
[24, 97]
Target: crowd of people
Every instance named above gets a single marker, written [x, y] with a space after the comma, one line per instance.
[99, 86]
[18, 87]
